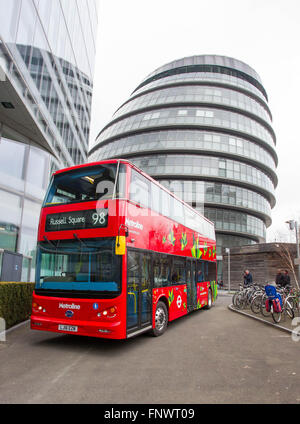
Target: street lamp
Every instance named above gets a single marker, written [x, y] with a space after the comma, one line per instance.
[294, 226]
[227, 250]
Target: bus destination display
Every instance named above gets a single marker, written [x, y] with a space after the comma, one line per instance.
[78, 220]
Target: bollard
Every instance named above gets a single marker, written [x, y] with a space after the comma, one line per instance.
[2, 330]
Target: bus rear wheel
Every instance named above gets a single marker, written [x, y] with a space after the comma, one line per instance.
[161, 319]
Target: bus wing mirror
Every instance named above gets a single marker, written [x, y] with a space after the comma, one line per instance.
[120, 245]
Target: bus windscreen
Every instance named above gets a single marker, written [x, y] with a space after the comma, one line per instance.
[83, 185]
[79, 265]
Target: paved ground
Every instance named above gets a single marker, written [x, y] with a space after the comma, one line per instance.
[285, 322]
[214, 356]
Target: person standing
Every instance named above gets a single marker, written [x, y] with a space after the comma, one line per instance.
[279, 278]
[247, 278]
[286, 279]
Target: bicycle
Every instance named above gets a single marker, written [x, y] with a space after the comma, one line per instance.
[258, 302]
[258, 298]
[294, 296]
[263, 310]
[286, 309]
[243, 298]
[239, 298]
[234, 297]
[279, 296]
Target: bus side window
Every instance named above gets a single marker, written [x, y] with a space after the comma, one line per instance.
[139, 189]
[201, 276]
[162, 270]
[156, 272]
[155, 198]
[178, 271]
[121, 183]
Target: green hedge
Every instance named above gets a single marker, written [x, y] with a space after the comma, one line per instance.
[15, 302]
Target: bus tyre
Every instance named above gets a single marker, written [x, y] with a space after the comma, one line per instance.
[209, 300]
[161, 319]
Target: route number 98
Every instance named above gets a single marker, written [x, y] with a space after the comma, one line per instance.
[99, 219]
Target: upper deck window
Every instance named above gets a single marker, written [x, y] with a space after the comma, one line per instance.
[139, 189]
[86, 184]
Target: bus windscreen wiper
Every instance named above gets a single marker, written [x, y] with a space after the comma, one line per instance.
[50, 242]
[79, 239]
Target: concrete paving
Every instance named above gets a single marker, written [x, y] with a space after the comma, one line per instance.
[213, 356]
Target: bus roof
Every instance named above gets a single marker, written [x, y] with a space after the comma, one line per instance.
[85, 165]
[125, 161]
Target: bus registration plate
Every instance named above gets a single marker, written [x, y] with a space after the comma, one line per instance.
[72, 328]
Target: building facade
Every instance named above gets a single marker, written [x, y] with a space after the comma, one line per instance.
[263, 261]
[202, 127]
[47, 56]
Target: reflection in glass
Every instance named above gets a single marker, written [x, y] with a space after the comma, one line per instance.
[11, 158]
[8, 236]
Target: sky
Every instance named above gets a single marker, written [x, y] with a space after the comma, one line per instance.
[135, 37]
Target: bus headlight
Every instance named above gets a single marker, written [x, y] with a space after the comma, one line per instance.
[38, 308]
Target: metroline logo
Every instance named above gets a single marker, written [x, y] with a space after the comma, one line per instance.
[68, 306]
[135, 224]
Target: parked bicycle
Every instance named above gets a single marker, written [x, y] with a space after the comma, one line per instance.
[294, 298]
[244, 297]
[278, 303]
[258, 299]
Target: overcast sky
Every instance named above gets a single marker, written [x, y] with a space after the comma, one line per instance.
[135, 37]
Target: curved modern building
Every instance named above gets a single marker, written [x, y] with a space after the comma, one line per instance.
[47, 55]
[201, 126]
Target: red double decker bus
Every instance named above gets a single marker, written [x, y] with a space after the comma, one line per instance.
[118, 254]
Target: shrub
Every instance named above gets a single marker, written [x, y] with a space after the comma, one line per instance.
[15, 302]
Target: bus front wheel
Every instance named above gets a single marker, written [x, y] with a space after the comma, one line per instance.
[161, 319]
[209, 300]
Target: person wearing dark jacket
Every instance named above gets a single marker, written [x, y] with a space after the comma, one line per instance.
[286, 280]
[279, 278]
[247, 278]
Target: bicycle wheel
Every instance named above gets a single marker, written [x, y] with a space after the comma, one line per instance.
[256, 304]
[289, 309]
[234, 298]
[239, 301]
[248, 300]
[275, 315]
[293, 302]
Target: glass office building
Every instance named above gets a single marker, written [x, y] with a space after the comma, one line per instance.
[201, 126]
[47, 56]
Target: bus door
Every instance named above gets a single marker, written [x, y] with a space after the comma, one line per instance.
[191, 285]
[139, 293]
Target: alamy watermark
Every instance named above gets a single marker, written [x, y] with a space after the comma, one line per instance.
[150, 197]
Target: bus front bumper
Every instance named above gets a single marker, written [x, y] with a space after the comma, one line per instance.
[100, 329]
